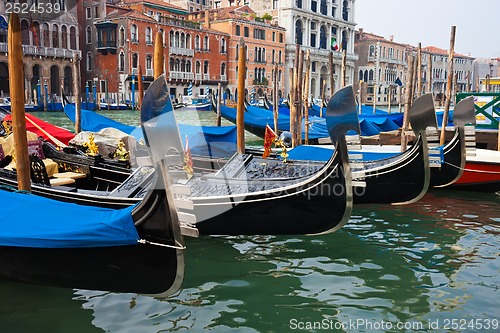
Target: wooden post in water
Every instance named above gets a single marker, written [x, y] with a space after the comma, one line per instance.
[299, 96]
[16, 86]
[360, 97]
[449, 83]
[343, 68]
[323, 89]
[294, 105]
[219, 100]
[77, 90]
[408, 97]
[332, 71]
[275, 98]
[389, 99]
[414, 83]
[240, 110]
[158, 56]
[419, 69]
[140, 87]
[468, 81]
[306, 96]
[429, 74]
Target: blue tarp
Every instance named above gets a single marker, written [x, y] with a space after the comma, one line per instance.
[32, 221]
[203, 140]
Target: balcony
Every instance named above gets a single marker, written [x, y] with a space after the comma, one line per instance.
[223, 78]
[206, 77]
[31, 50]
[149, 72]
[106, 46]
[176, 75]
[261, 82]
[181, 51]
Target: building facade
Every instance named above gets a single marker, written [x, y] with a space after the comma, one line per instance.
[125, 34]
[314, 25]
[381, 69]
[49, 45]
[264, 45]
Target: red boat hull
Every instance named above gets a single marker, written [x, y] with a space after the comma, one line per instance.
[480, 176]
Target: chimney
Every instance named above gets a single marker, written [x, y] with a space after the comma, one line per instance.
[391, 38]
[207, 18]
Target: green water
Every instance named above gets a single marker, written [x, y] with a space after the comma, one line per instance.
[432, 266]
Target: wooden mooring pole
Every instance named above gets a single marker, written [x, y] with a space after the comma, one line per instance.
[158, 56]
[219, 100]
[16, 86]
[306, 96]
[77, 90]
[140, 87]
[449, 85]
[408, 97]
[240, 110]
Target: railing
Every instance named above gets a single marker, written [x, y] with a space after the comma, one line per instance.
[107, 44]
[487, 108]
[198, 77]
[134, 71]
[149, 72]
[43, 51]
[223, 77]
[206, 77]
[176, 75]
[181, 51]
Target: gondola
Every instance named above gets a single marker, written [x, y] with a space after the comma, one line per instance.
[400, 179]
[250, 195]
[137, 249]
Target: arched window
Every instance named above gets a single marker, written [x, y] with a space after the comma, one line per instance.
[25, 32]
[134, 38]
[197, 43]
[88, 35]
[183, 41]
[322, 37]
[188, 41]
[188, 66]
[198, 67]
[149, 33]
[345, 10]
[55, 36]
[121, 62]
[149, 62]
[46, 35]
[370, 75]
[72, 38]
[205, 44]
[205, 67]
[298, 32]
[371, 51]
[223, 46]
[223, 68]
[121, 36]
[89, 61]
[135, 60]
[64, 37]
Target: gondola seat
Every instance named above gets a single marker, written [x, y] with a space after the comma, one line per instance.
[38, 173]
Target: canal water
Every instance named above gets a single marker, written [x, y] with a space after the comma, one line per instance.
[431, 266]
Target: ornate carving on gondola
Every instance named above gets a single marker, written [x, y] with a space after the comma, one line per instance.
[92, 148]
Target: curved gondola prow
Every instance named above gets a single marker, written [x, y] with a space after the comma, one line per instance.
[422, 115]
[463, 116]
[341, 115]
[268, 105]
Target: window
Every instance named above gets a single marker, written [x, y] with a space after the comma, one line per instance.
[275, 4]
[298, 32]
[96, 11]
[259, 34]
[89, 62]
[298, 3]
[246, 32]
[121, 37]
[238, 32]
[88, 12]
[121, 62]
[313, 66]
[205, 42]
[281, 38]
[314, 6]
[88, 35]
[135, 60]
[197, 43]
[149, 62]
[149, 33]
[133, 34]
[345, 11]
[223, 46]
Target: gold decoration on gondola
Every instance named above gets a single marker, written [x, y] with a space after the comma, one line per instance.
[7, 126]
[121, 152]
[281, 144]
[92, 149]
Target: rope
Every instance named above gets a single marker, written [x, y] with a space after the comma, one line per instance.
[473, 170]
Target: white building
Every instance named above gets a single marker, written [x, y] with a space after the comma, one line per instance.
[313, 24]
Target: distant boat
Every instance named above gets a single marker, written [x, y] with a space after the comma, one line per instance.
[111, 104]
[201, 103]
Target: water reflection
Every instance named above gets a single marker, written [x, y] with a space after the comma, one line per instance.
[434, 260]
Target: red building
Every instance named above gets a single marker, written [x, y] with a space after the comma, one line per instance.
[119, 38]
